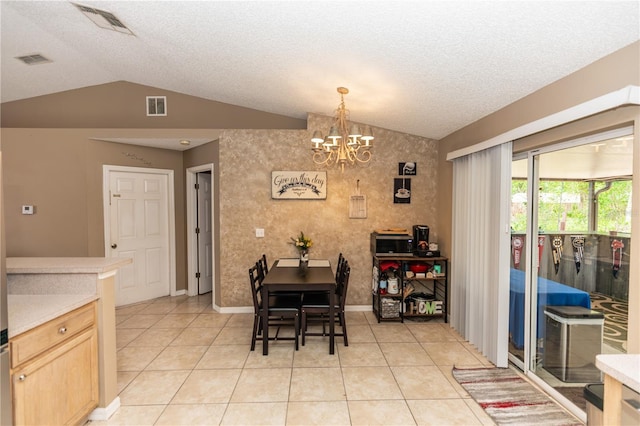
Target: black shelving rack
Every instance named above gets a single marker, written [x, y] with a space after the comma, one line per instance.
[429, 288]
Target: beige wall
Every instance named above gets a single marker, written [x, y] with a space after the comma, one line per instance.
[247, 158]
[59, 171]
[122, 105]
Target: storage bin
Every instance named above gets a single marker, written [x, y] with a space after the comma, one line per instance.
[573, 338]
[390, 308]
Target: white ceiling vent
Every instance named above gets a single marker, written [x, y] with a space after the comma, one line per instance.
[34, 59]
[156, 106]
[103, 19]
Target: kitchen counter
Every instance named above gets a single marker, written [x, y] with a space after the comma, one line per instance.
[64, 265]
[619, 370]
[625, 368]
[40, 289]
[29, 311]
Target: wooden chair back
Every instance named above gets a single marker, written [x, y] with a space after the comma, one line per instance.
[256, 287]
[343, 284]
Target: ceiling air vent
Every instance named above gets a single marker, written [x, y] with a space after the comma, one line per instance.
[103, 19]
[33, 59]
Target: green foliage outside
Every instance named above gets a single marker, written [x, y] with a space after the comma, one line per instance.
[614, 207]
[564, 206]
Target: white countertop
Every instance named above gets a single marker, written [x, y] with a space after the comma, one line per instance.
[43, 288]
[64, 265]
[625, 368]
[29, 311]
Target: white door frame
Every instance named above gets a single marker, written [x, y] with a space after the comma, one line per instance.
[106, 170]
[192, 243]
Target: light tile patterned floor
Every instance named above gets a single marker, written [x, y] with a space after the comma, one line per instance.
[181, 363]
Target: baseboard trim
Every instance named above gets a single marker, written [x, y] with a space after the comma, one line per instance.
[104, 413]
[358, 308]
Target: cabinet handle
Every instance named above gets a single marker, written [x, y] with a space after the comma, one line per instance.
[62, 330]
[22, 377]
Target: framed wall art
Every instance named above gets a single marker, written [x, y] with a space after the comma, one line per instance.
[402, 191]
[302, 185]
[407, 169]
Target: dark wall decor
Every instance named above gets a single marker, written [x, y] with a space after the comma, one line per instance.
[402, 187]
[402, 191]
[408, 169]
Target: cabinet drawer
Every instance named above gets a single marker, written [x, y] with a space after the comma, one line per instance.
[33, 342]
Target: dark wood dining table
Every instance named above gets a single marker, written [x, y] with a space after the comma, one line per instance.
[318, 276]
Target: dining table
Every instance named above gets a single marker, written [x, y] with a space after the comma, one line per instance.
[289, 275]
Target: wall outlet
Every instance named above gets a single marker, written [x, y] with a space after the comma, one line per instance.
[27, 210]
[259, 232]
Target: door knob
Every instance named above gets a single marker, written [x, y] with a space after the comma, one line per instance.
[114, 245]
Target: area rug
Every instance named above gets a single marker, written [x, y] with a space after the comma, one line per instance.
[509, 399]
[616, 316]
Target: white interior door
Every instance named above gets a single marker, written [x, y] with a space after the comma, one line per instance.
[204, 234]
[137, 226]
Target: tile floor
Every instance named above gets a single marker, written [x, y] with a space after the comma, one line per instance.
[181, 363]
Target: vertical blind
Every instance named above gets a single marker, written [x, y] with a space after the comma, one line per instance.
[480, 257]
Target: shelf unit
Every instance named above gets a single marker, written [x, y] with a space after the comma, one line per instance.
[429, 297]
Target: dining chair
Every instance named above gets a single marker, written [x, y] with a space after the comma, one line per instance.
[282, 311]
[263, 262]
[263, 269]
[315, 307]
[339, 265]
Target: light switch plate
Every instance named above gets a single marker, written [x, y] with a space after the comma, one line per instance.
[27, 209]
[259, 232]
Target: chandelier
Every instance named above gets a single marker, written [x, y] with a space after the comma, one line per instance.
[344, 144]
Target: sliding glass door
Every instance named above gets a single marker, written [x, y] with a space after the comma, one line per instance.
[570, 225]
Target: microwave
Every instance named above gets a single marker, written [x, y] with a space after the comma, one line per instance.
[391, 244]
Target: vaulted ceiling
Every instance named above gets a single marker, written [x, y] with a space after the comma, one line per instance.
[426, 68]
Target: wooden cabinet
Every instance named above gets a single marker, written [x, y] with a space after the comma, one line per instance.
[420, 292]
[55, 370]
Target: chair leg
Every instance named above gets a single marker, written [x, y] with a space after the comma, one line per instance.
[256, 320]
[304, 326]
[344, 328]
[297, 329]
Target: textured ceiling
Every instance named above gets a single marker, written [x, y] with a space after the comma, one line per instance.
[426, 68]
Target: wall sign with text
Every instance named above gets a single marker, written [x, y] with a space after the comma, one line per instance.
[303, 185]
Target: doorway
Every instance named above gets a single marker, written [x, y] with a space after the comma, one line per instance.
[200, 231]
[139, 223]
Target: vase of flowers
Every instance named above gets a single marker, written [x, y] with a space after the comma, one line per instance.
[303, 244]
